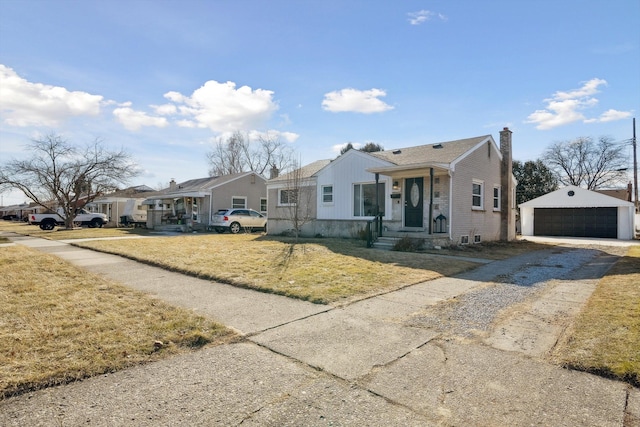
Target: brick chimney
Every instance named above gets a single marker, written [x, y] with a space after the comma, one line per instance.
[274, 172]
[507, 211]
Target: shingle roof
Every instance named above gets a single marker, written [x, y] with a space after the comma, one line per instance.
[306, 171]
[198, 185]
[447, 153]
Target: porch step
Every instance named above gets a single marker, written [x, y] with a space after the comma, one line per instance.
[386, 243]
[170, 227]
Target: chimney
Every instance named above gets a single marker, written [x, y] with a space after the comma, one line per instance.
[507, 212]
[172, 185]
[274, 172]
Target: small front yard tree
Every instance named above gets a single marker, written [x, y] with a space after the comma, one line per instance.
[298, 199]
[68, 176]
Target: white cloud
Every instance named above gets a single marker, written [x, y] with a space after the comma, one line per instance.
[134, 120]
[613, 115]
[422, 16]
[223, 108]
[566, 107]
[357, 101]
[23, 103]
[165, 109]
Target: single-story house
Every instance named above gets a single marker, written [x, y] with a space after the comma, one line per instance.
[18, 212]
[457, 192]
[577, 212]
[190, 205]
[122, 203]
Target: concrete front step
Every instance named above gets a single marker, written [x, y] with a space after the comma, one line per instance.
[386, 243]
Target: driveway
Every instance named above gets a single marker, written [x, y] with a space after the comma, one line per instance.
[467, 350]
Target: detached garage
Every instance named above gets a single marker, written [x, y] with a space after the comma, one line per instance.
[576, 212]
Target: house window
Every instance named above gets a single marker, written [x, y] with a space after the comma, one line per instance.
[263, 204]
[327, 194]
[496, 197]
[477, 195]
[477, 238]
[238, 202]
[288, 197]
[364, 199]
[464, 240]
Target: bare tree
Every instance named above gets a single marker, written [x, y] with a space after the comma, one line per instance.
[238, 153]
[65, 175]
[298, 197]
[585, 163]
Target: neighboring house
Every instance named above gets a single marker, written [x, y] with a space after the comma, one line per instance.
[619, 193]
[456, 192]
[21, 212]
[190, 205]
[577, 212]
[127, 202]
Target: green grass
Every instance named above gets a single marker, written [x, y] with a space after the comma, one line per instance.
[605, 338]
[59, 324]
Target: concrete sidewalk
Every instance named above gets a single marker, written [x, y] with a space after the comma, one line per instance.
[363, 364]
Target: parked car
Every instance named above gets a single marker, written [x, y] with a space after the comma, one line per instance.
[236, 220]
[48, 221]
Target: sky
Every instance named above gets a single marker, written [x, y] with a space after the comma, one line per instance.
[166, 80]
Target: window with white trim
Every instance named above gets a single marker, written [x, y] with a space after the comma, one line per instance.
[263, 204]
[327, 194]
[287, 196]
[238, 202]
[477, 194]
[477, 238]
[364, 199]
[464, 240]
[497, 192]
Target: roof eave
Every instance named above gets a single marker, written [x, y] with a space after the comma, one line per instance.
[390, 170]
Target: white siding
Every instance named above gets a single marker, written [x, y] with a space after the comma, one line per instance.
[342, 173]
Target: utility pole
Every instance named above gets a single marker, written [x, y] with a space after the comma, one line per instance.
[635, 165]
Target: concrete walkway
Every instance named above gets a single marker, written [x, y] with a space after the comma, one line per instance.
[363, 364]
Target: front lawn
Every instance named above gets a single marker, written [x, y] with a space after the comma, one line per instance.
[317, 270]
[59, 324]
[605, 338]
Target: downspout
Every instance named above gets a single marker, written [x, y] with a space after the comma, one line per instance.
[431, 201]
[377, 195]
[210, 208]
[450, 173]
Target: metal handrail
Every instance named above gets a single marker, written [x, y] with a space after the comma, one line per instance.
[374, 230]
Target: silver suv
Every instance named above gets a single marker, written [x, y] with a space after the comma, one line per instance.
[236, 220]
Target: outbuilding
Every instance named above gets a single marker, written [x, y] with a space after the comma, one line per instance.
[577, 212]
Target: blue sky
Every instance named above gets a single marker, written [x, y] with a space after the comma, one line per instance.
[166, 79]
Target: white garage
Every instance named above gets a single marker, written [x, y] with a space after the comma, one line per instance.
[576, 212]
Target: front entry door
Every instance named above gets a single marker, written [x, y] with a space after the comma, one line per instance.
[413, 203]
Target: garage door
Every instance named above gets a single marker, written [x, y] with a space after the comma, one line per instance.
[577, 222]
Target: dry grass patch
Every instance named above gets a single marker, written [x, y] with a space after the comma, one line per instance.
[60, 324]
[605, 338]
[60, 233]
[317, 270]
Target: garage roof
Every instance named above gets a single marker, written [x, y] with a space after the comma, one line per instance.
[574, 197]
